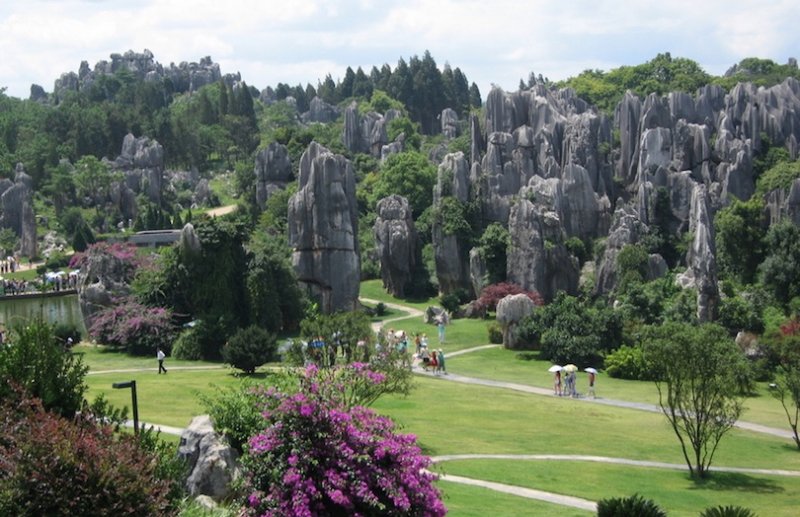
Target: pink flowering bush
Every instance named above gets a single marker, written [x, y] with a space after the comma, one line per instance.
[318, 457]
[134, 327]
[123, 252]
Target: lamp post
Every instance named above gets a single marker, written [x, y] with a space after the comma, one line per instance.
[132, 386]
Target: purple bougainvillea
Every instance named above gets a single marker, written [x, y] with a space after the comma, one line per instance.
[320, 457]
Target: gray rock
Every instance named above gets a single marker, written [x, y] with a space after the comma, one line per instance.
[626, 228]
[102, 279]
[449, 120]
[451, 253]
[510, 311]
[141, 161]
[702, 256]
[320, 111]
[395, 147]
[189, 242]
[38, 94]
[627, 117]
[273, 170]
[477, 270]
[16, 203]
[537, 257]
[396, 243]
[211, 462]
[202, 193]
[323, 229]
[477, 143]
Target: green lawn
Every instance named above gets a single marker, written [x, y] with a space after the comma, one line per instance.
[451, 418]
[674, 491]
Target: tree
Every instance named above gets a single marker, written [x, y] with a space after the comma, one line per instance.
[779, 270]
[34, 360]
[93, 178]
[739, 229]
[249, 348]
[409, 174]
[786, 387]
[695, 370]
[8, 241]
[494, 250]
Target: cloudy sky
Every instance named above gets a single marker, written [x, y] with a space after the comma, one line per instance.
[300, 41]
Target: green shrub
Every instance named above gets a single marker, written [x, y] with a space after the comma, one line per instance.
[627, 362]
[235, 412]
[37, 362]
[249, 348]
[633, 506]
[380, 309]
[189, 345]
[450, 302]
[495, 333]
[65, 331]
[202, 341]
[727, 511]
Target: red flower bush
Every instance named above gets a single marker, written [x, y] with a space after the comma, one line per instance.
[491, 294]
[53, 466]
[319, 457]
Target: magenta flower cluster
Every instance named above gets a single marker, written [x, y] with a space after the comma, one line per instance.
[132, 326]
[319, 457]
[123, 252]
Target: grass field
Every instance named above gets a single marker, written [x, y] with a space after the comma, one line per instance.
[451, 418]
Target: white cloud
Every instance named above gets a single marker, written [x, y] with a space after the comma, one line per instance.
[501, 41]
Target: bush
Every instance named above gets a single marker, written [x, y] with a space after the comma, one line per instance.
[628, 362]
[37, 362]
[633, 506]
[189, 345]
[450, 302]
[727, 511]
[380, 309]
[64, 331]
[491, 294]
[249, 348]
[235, 412]
[138, 329]
[495, 333]
[316, 457]
[55, 466]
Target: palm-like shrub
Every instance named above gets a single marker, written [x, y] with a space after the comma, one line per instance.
[727, 511]
[633, 506]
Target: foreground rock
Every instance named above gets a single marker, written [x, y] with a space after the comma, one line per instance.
[211, 462]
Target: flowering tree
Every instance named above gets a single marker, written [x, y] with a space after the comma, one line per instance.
[319, 457]
[133, 327]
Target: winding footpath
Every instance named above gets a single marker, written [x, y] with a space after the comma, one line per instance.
[549, 497]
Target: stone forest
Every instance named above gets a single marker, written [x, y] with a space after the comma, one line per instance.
[388, 295]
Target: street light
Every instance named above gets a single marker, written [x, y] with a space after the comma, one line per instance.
[132, 386]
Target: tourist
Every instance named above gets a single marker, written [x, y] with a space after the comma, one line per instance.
[434, 362]
[440, 361]
[440, 326]
[592, 378]
[557, 383]
[161, 356]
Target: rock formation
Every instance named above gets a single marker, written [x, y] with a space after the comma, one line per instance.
[211, 463]
[510, 311]
[396, 243]
[320, 111]
[141, 161]
[323, 229]
[451, 251]
[367, 133]
[702, 256]
[273, 171]
[16, 204]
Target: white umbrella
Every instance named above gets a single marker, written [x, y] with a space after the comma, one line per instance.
[554, 368]
[590, 370]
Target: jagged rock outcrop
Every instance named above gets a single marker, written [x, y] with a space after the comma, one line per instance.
[323, 229]
[398, 146]
[367, 133]
[538, 259]
[780, 204]
[16, 207]
[702, 256]
[477, 270]
[184, 77]
[320, 111]
[273, 171]
[210, 462]
[449, 120]
[510, 311]
[451, 253]
[141, 161]
[626, 229]
[102, 279]
[396, 243]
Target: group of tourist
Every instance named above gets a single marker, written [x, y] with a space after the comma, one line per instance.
[9, 265]
[429, 359]
[569, 379]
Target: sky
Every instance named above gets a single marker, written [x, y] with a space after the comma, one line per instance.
[493, 42]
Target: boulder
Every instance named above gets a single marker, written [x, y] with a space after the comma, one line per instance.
[396, 243]
[323, 229]
[510, 311]
[211, 462]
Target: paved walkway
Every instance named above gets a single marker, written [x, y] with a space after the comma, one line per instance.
[177, 368]
[411, 312]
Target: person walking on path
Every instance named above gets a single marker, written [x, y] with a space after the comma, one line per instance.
[440, 325]
[592, 377]
[557, 383]
[440, 361]
[161, 356]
